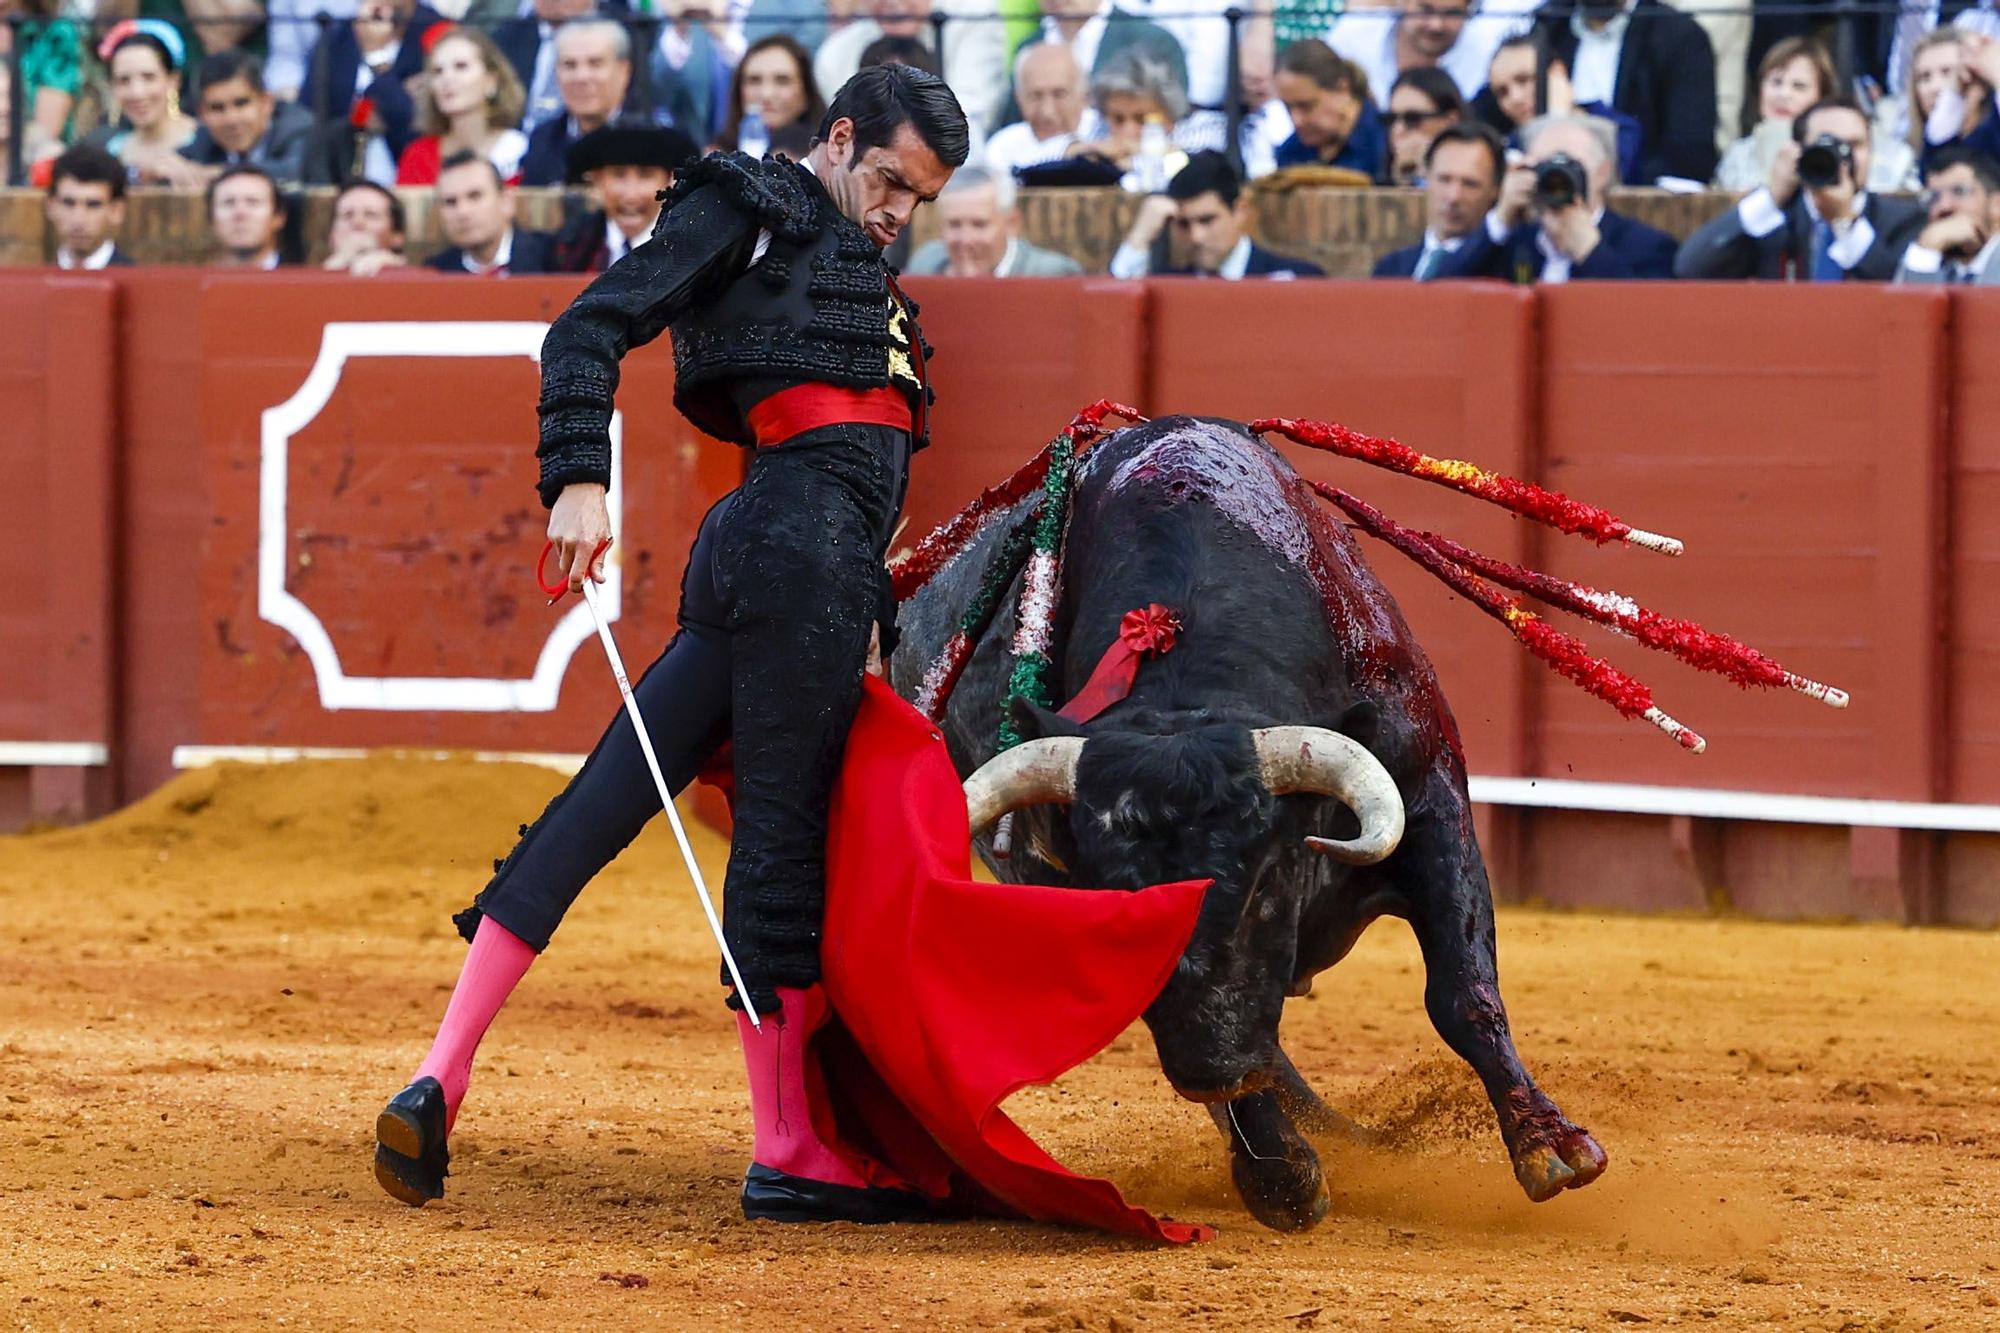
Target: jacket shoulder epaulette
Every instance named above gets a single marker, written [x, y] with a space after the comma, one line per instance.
[772, 192]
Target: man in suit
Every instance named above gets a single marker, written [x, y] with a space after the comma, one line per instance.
[1822, 230]
[1648, 64]
[373, 57]
[1539, 234]
[1462, 172]
[627, 166]
[476, 211]
[1204, 202]
[242, 123]
[593, 73]
[246, 218]
[528, 42]
[1957, 245]
[982, 234]
[86, 207]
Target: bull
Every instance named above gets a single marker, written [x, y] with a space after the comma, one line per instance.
[1294, 731]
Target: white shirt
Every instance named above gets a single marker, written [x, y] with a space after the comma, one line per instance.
[1014, 146]
[502, 257]
[616, 244]
[96, 259]
[1088, 38]
[1008, 258]
[366, 74]
[1760, 215]
[1595, 78]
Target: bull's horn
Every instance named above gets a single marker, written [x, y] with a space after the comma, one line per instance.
[1318, 760]
[1040, 772]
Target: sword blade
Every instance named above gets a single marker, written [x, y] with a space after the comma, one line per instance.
[666, 798]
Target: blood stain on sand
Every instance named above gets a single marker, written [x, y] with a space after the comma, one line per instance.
[207, 996]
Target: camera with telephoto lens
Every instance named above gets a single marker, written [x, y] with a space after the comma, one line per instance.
[1822, 161]
[1560, 182]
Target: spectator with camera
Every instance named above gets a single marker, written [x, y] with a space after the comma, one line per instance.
[1462, 173]
[1813, 220]
[1958, 242]
[1204, 203]
[1551, 225]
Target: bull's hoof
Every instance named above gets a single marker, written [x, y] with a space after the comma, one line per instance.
[1275, 1169]
[1285, 1199]
[1570, 1162]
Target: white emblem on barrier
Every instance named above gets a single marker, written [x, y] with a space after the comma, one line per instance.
[277, 604]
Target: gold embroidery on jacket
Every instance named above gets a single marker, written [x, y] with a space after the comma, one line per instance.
[899, 354]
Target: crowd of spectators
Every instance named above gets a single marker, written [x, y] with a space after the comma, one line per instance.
[1515, 118]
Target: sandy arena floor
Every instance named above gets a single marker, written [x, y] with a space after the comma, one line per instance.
[205, 999]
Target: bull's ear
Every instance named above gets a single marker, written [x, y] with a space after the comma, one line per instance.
[1035, 722]
[1362, 722]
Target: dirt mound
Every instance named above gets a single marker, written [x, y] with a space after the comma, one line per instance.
[386, 807]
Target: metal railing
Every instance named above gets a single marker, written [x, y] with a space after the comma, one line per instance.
[1838, 23]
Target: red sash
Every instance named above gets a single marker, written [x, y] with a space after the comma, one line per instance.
[792, 412]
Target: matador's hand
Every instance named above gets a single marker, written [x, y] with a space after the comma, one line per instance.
[579, 524]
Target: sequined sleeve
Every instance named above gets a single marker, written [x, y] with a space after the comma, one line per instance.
[700, 239]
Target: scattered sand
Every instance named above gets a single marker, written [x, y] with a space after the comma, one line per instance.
[206, 998]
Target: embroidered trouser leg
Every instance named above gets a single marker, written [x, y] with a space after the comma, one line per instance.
[782, 587]
[799, 565]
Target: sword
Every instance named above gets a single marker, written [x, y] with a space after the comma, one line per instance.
[653, 766]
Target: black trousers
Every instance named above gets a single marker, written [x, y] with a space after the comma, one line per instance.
[782, 587]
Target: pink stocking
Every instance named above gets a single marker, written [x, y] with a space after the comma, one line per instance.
[781, 1084]
[495, 965]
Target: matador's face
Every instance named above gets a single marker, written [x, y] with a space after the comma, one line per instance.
[880, 187]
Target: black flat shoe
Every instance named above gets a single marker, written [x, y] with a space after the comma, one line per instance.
[774, 1196]
[411, 1159]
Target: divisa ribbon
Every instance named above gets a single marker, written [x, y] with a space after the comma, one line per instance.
[1144, 633]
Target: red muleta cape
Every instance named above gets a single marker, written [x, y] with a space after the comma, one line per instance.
[953, 993]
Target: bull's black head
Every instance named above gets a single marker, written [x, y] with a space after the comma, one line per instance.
[1166, 798]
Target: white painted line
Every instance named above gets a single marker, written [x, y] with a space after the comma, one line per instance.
[201, 756]
[277, 604]
[1703, 803]
[53, 754]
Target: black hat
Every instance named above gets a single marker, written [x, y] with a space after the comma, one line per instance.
[629, 143]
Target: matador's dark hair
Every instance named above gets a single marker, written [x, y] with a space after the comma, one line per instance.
[883, 98]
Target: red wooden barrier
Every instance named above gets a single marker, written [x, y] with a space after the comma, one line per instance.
[56, 383]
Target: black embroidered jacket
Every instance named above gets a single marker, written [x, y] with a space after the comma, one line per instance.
[818, 307]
